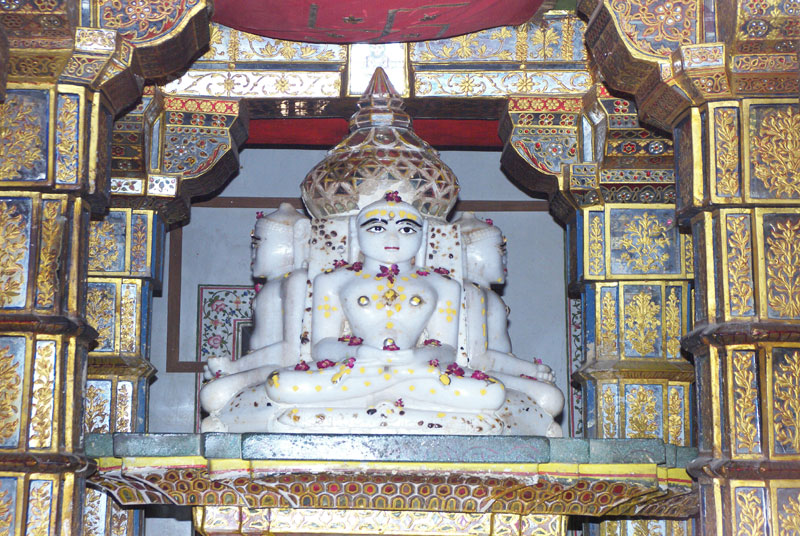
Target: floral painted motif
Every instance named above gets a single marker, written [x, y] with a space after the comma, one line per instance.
[641, 322]
[786, 408]
[643, 418]
[21, 146]
[783, 268]
[646, 244]
[140, 20]
[777, 152]
[220, 309]
[13, 250]
[104, 249]
[10, 391]
[657, 27]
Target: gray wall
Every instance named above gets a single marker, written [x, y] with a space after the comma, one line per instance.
[216, 250]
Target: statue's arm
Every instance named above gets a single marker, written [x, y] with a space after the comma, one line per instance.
[327, 318]
[443, 325]
[497, 323]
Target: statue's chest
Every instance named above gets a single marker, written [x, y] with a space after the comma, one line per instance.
[383, 303]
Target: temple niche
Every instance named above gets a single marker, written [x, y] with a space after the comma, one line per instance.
[377, 315]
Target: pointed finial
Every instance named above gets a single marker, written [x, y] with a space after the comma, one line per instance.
[379, 87]
[380, 104]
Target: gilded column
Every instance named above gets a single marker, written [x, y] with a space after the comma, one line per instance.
[611, 182]
[65, 84]
[125, 260]
[724, 78]
[49, 177]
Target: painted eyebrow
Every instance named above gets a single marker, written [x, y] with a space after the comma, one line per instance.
[374, 220]
[408, 220]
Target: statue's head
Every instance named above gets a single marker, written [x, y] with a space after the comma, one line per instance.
[390, 230]
[485, 250]
[280, 242]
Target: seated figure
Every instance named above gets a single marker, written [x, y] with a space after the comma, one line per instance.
[384, 336]
[486, 322]
[280, 246]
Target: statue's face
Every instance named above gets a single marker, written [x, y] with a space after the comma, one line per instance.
[272, 253]
[390, 233]
[486, 261]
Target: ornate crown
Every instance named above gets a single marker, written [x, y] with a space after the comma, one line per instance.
[382, 153]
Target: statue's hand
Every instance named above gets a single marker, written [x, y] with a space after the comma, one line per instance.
[370, 354]
[217, 367]
[543, 373]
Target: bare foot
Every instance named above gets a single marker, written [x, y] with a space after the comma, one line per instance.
[216, 367]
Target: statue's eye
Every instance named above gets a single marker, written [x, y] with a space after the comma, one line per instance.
[407, 229]
[376, 229]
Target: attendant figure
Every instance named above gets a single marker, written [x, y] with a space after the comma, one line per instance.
[280, 249]
[488, 342]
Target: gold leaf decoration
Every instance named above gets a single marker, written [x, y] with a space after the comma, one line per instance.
[790, 518]
[642, 415]
[139, 245]
[645, 241]
[688, 252]
[783, 269]
[124, 407]
[777, 152]
[20, 143]
[13, 246]
[67, 140]
[119, 520]
[641, 322]
[678, 528]
[52, 232]
[10, 386]
[609, 404]
[672, 324]
[93, 524]
[100, 314]
[646, 527]
[596, 259]
[727, 148]
[656, 31]
[740, 266]
[744, 403]
[545, 38]
[675, 417]
[608, 326]
[95, 412]
[38, 510]
[750, 521]
[42, 412]
[127, 330]
[103, 248]
[6, 513]
[786, 410]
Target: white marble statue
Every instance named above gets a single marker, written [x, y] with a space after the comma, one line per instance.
[488, 346]
[280, 248]
[384, 333]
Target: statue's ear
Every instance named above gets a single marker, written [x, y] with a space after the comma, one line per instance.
[354, 248]
[419, 260]
[301, 235]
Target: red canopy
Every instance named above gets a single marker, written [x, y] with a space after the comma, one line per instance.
[369, 21]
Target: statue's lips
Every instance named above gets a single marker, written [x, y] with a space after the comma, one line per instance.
[393, 248]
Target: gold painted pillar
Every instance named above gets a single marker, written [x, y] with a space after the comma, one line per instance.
[67, 79]
[723, 76]
[610, 181]
[54, 155]
[125, 264]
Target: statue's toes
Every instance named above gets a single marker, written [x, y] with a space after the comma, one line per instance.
[212, 423]
[554, 430]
